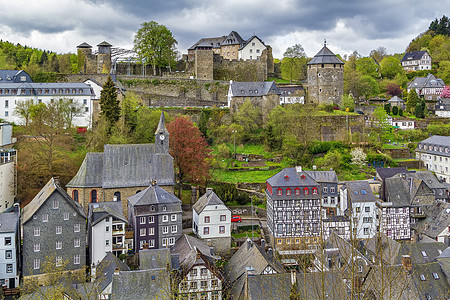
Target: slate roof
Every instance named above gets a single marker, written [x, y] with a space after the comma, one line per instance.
[89, 174]
[323, 176]
[8, 221]
[427, 177]
[249, 40]
[10, 76]
[435, 140]
[153, 195]
[213, 42]
[436, 221]
[105, 44]
[293, 179]
[396, 99]
[84, 45]
[233, 38]
[101, 210]
[39, 200]
[426, 82]
[325, 56]
[414, 250]
[445, 102]
[444, 254]
[389, 172]
[437, 288]
[150, 259]
[254, 89]
[105, 270]
[382, 247]
[417, 55]
[209, 198]
[359, 191]
[396, 192]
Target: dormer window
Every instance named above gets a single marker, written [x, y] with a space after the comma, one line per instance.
[279, 192]
[286, 177]
[303, 177]
[297, 191]
[288, 192]
[314, 191]
[424, 254]
[306, 191]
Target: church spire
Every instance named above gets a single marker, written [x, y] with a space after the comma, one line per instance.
[161, 125]
[162, 136]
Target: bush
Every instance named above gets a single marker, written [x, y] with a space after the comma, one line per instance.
[228, 193]
[395, 110]
[400, 112]
[323, 147]
[329, 108]
[122, 257]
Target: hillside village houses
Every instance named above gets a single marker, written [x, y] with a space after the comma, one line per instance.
[415, 61]
[10, 248]
[429, 88]
[435, 153]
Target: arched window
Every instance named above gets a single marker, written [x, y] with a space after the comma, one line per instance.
[314, 191]
[94, 196]
[117, 196]
[279, 192]
[138, 191]
[306, 191]
[303, 177]
[297, 191]
[75, 195]
[288, 192]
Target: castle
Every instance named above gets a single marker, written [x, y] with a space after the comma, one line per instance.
[94, 63]
[325, 78]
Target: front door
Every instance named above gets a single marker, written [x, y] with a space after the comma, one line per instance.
[12, 283]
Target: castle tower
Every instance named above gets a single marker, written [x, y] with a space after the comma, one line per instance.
[84, 52]
[162, 137]
[104, 57]
[325, 78]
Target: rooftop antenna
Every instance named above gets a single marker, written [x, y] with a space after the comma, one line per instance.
[324, 42]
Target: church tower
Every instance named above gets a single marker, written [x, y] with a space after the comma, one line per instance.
[325, 78]
[161, 137]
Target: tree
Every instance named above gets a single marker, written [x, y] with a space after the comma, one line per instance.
[295, 51]
[378, 54]
[250, 118]
[155, 44]
[395, 110]
[367, 66]
[387, 108]
[348, 102]
[444, 71]
[412, 100]
[293, 65]
[393, 90]
[23, 109]
[446, 92]
[390, 67]
[189, 150]
[109, 104]
[368, 86]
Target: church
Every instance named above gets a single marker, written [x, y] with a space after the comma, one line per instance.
[121, 171]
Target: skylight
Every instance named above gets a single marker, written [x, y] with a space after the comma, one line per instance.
[364, 192]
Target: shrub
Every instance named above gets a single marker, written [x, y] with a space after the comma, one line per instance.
[395, 110]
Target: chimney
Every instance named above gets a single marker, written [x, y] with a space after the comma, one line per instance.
[298, 169]
[116, 271]
[208, 191]
[249, 243]
[407, 263]
[56, 180]
[211, 250]
[263, 244]
[270, 251]
[293, 277]
[153, 182]
[16, 207]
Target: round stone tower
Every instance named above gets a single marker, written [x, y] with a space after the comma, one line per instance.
[325, 78]
[104, 57]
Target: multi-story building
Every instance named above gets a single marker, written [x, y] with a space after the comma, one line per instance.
[54, 232]
[124, 170]
[200, 279]
[106, 225]
[328, 182]
[10, 248]
[156, 217]
[251, 49]
[359, 201]
[415, 61]
[340, 225]
[435, 152]
[293, 209]
[8, 162]
[429, 88]
[211, 220]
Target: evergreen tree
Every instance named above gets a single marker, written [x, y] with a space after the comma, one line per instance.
[418, 112]
[109, 104]
[423, 104]
[400, 112]
[395, 110]
[412, 100]
[387, 108]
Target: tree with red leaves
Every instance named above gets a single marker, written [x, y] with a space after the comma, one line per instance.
[446, 92]
[393, 90]
[189, 150]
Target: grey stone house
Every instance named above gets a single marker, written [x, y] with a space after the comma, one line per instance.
[156, 218]
[54, 231]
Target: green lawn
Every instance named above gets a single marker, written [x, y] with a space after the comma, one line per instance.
[334, 113]
[245, 234]
[390, 146]
[242, 176]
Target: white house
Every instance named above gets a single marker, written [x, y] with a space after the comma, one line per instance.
[435, 152]
[429, 88]
[358, 196]
[10, 248]
[106, 230]
[211, 220]
[403, 124]
[11, 93]
[415, 61]
[8, 162]
[251, 49]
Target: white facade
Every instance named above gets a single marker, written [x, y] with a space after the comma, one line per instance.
[201, 281]
[7, 178]
[402, 124]
[96, 87]
[108, 235]
[435, 156]
[395, 221]
[364, 221]
[213, 222]
[12, 93]
[252, 49]
[423, 63]
[291, 99]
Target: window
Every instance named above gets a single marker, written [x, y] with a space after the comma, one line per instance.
[366, 231]
[9, 268]
[165, 229]
[107, 228]
[206, 230]
[184, 285]
[164, 208]
[45, 218]
[314, 191]
[297, 191]
[367, 209]
[66, 216]
[164, 242]
[288, 192]
[193, 285]
[151, 231]
[84, 101]
[173, 217]
[151, 219]
[207, 219]
[36, 264]
[357, 209]
[117, 196]
[221, 229]
[8, 254]
[424, 254]
[58, 229]
[306, 191]
[58, 245]
[107, 243]
[6, 114]
[435, 275]
[173, 228]
[76, 243]
[58, 261]
[36, 247]
[325, 189]
[194, 272]
[223, 218]
[214, 283]
[76, 259]
[204, 284]
[142, 220]
[75, 195]
[86, 109]
[76, 228]
[6, 103]
[142, 232]
[55, 204]
[151, 243]
[165, 218]
[37, 232]
[171, 241]
[332, 189]
[141, 244]
[422, 277]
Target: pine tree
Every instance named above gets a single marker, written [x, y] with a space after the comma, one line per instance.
[109, 104]
[412, 100]
[418, 112]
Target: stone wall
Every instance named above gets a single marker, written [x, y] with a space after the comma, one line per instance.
[325, 83]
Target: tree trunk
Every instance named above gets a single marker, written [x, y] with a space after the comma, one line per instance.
[154, 70]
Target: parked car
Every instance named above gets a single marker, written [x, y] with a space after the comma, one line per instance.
[236, 219]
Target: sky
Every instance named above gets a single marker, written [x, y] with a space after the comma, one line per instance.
[347, 25]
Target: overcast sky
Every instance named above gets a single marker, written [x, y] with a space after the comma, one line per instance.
[61, 25]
